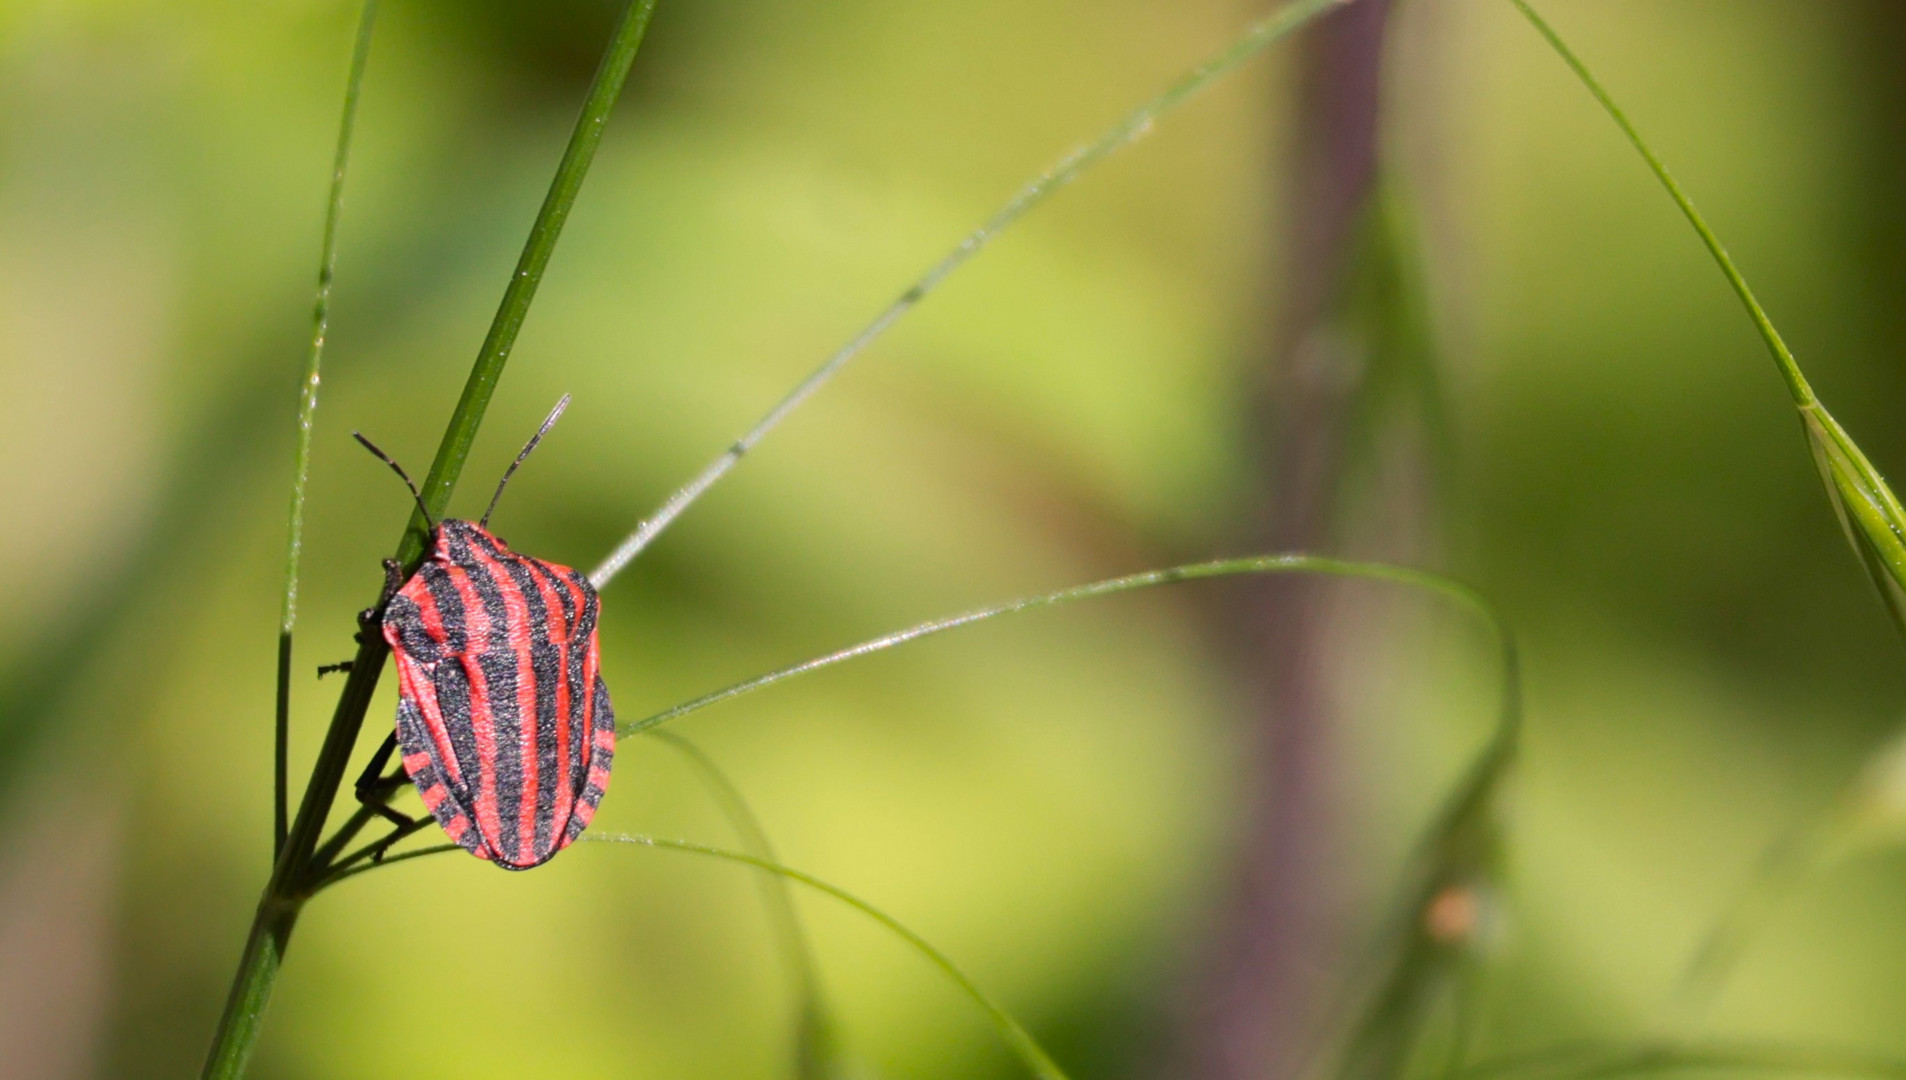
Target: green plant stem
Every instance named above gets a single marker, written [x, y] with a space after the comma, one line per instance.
[1134, 126]
[1253, 564]
[307, 412]
[292, 875]
[1783, 357]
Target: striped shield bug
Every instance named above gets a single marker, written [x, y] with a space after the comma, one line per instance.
[503, 718]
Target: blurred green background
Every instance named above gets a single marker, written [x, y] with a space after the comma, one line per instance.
[1054, 801]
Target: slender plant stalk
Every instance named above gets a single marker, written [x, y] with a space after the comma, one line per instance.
[1252, 564]
[1502, 746]
[307, 413]
[292, 874]
[1869, 512]
[1783, 357]
[1136, 125]
[1280, 927]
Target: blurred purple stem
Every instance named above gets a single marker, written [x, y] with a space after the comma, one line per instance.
[1280, 927]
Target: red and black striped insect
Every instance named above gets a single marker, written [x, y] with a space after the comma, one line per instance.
[503, 717]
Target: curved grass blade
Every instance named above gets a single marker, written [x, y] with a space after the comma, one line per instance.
[1868, 511]
[1582, 1061]
[1429, 949]
[307, 412]
[1459, 859]
[292, 873]
[1015, 1035]
[1868, 814]
[1508, 728]
[1133, 127]
[817, 1053]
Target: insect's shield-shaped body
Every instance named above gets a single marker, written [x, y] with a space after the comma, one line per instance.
[504, 722]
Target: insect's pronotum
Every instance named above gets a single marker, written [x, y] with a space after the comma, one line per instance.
[503, 718]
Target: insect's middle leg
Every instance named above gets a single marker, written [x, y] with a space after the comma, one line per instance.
[373, 787]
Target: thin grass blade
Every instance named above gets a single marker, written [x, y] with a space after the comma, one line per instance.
[1866, 506]
[1508, 728]
[1584, 1060]
[1135, 125]
[307, 416]
[1015, 1035]
[1037, 1061]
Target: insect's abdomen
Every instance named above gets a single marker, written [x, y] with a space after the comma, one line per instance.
[504, 721]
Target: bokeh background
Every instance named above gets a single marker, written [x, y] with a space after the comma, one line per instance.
[1546, 391]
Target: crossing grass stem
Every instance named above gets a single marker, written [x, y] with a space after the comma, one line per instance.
[292, 873]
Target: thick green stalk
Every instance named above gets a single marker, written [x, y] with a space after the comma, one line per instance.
[307, 412]
[292, 876]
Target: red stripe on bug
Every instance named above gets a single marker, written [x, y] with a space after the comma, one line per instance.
[557, 628]
[482, 719]
[519, 630]
[417, 684]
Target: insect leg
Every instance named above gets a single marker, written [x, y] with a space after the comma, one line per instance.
[342, 665]
[373, 787]
[368, 619]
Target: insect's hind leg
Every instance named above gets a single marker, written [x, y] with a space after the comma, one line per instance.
[374, 788]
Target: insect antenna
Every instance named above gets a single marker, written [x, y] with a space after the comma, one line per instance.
[554, 415]
[401, 475]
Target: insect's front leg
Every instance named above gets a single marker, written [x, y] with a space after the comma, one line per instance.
[370, 617]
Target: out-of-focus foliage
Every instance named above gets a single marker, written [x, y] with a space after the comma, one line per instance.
[1048, 801]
